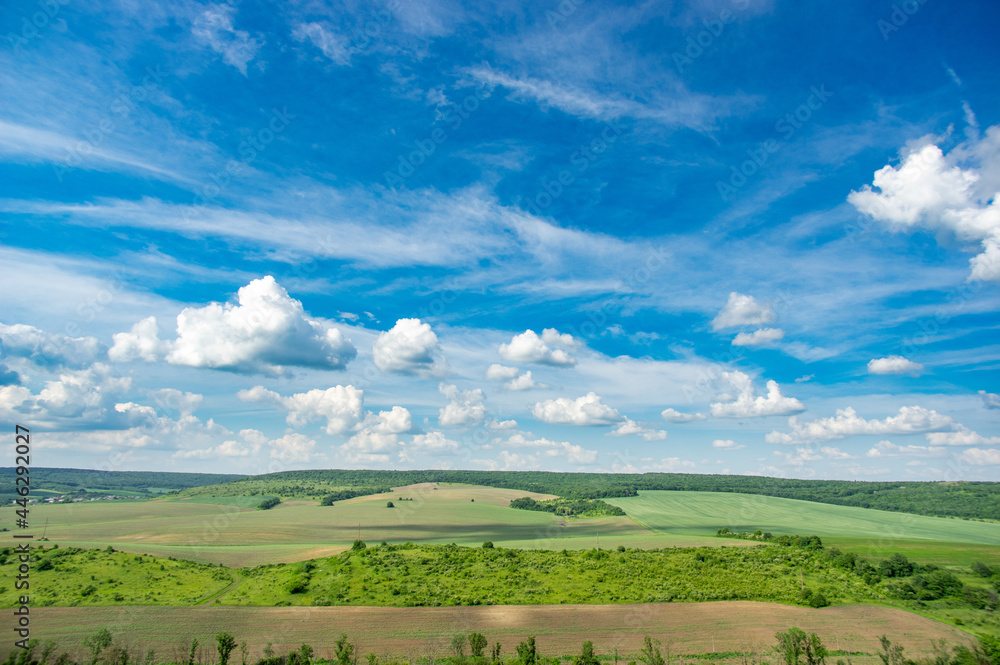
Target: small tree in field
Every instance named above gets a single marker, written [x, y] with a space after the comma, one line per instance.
[526, 652]
[892, 654]
[458, 647]
[225, 643]
[586, 656]
[794, 644]
[477, 644]
[345, 651]
[495, 653]
[650, 653]
[389, 504]
[98, 642]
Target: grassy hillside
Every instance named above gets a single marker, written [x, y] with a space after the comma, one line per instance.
[699, 513]
[446, 575]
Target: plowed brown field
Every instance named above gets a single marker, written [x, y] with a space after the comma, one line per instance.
[560, 629]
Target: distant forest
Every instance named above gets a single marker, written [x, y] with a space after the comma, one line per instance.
[75, 481]
[974, 500]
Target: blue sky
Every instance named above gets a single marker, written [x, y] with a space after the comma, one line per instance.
[726, 236]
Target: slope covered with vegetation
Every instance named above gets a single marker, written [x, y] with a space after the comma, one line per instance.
[789, 569]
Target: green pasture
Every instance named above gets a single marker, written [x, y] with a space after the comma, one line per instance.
[702, 513]
[230, 530]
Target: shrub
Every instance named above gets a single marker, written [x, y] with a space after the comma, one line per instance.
[267, 504]
[586, 656]
[298, 584]
[477, 644]
[895, 566]
[526, 652]
[488, 545]
[389, 504]
[981, 569]
[818, 600]
[794, 644]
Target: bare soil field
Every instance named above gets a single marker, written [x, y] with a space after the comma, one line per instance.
[690, 628]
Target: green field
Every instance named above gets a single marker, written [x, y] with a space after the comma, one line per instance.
[702, 513]
[231, 531]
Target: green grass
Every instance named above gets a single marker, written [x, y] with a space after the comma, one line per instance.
[238, 501]
[941, 553]
[98, 577]
[701, 513]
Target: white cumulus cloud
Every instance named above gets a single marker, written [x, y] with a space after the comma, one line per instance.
[890, 449]
[512, 377]
[582, 411]
[573, 453]
[743, 310]
[341, 407]
[528, 347]
[747, 404]
[629, 427]
[142, 342]
[266, 331]
[761, 337]
[170, 399]
[981, 457]
[934, 191]
[433, 442]
[990, 400]
[78, 398]
[409, 347]
[727, 444]
[293, 448]
[909, 420]
[962, 436]
[675, 416]
[894, 365]
[48, 349]
[465, 407]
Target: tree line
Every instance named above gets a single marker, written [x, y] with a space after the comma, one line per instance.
[569, 507]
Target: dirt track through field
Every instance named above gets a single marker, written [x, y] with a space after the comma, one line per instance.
[560, 629]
